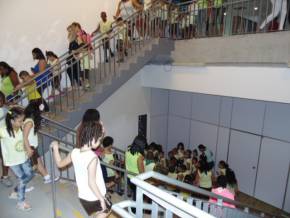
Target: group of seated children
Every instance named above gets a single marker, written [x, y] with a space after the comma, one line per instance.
[195, 167]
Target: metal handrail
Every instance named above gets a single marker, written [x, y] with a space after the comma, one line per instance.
[63, 57]
[163, 198]
[73, 131]
[194, 189]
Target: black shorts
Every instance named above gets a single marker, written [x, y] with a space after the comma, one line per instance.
[91, 207]
[35, 156]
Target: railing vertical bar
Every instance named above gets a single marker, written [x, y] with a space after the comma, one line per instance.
[53, 186]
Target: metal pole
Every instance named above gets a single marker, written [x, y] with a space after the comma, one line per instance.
[53, 187]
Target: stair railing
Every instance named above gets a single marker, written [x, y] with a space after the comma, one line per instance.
[70, 135]
[154, 193]
[86, 70]
[68, 174]
[224, 17]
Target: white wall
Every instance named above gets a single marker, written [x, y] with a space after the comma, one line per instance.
[120, 111]
[41, 23]
[260, 83]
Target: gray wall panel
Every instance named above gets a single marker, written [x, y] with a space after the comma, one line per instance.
[205, 108]
[277, 121]
[158, 131]
[203, 133]
[287, 194]
[226, 111]
[178, 129]
[180, 103]
[248, 115]
[243, 159]
[273, 170]
[223, 144]
[159, 102]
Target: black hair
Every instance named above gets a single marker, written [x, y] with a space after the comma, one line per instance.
[172, 168]
[51, 54]
[138, 145]
[87, 132]
[195, 158]
[159, 148]
[91, 115]
[150, 155]
[32, 111]
[12, 114]
[203, 157]
[107, 141]
[201, 146]
[23, 73]
[2, 97]
[231, 177]
[189, 179]
[7, 67]
[203, 166]
[223, 164]
[38, 54]
[182, 167]
[90, 119]
[180, 144]
[222, 181]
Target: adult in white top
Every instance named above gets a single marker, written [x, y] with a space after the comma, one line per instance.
[89, 177]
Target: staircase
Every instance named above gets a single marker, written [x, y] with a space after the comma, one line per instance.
[105, 79]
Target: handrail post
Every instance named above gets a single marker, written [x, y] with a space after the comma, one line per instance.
[53, 187]
[126, 184]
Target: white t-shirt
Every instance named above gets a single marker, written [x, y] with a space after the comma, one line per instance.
[81, 161]
[12, 147]
[32, 138]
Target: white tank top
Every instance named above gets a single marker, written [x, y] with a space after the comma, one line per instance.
[81, 161]
[32, 138]
[126, 9]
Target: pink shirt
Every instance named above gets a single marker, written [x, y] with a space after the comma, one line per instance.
[224, 193]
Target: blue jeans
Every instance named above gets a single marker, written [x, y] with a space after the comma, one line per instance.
[24, 173]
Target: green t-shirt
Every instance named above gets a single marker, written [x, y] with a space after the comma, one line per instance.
[202, 4]
[7, 86]
[12, 147]
[131, 162]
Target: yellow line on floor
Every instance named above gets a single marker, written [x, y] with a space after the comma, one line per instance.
[77, 214]
[58, 213]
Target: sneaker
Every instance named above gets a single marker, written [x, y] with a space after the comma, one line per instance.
[29, 189]
[23, 206]
[56, 92]
[49, 180]
[87, 86]
[6, 181]
[13, 195]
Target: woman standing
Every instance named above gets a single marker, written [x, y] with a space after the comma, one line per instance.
[134, 160]
[89, 177]
[9, 80]
[73, 68]
[41, 68]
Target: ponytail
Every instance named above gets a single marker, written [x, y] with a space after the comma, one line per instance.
[12, 114]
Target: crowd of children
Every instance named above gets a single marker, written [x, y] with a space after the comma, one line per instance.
[195, 167]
